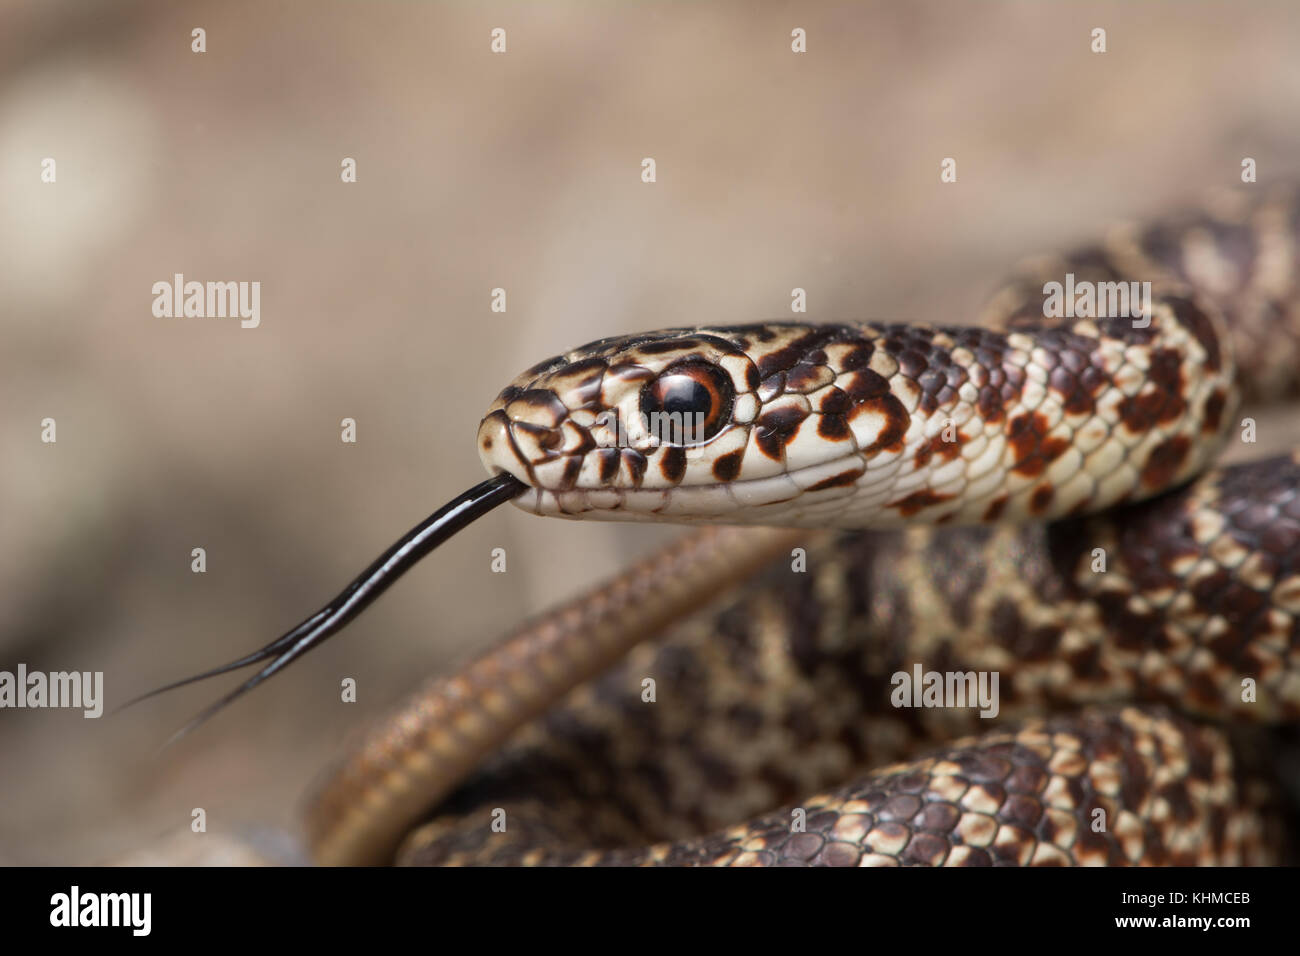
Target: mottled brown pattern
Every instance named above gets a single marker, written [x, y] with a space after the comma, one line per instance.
[1100, 628]
[1004, 799]
[1002, 598]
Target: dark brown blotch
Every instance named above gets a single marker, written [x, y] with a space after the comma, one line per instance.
[581, 379]
[805, 377]
[1027, 435]
[727, 466]
[629, 372]
[917, 501]
[1024, 642]
[1161, 403]
[835, 402]
[572, 466]
[856, 357]
[1085, 662]
[865, 385]
[833, 427]
[1201, 327]
[989, 404]
[911, 362]
[842, 480]
[947, 450]
[608, 459]
[1075, 398]
[782, 358]
[777, 428]
[895, 427]
[1164, 462]
[1214, 406]
[673, 463]
[636, 463]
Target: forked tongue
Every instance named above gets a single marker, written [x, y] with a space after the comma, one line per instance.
[356, 597]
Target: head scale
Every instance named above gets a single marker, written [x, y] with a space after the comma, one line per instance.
[728, 424]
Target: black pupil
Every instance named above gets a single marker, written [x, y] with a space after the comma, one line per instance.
[687, 405]
[681, 394]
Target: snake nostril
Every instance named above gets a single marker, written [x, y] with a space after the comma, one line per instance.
[496, 447]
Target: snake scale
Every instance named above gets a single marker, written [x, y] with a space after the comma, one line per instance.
[1029, 497]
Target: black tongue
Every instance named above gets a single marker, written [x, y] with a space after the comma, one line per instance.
[357, 596]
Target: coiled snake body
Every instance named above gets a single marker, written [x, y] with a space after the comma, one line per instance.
[1135, 631]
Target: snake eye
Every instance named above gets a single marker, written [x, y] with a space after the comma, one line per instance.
[688, 404]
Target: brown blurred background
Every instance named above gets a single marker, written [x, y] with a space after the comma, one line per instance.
[475, 171]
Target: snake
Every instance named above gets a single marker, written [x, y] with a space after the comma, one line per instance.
[889, 515]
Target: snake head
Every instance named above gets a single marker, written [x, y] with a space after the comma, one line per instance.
[715, 424]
